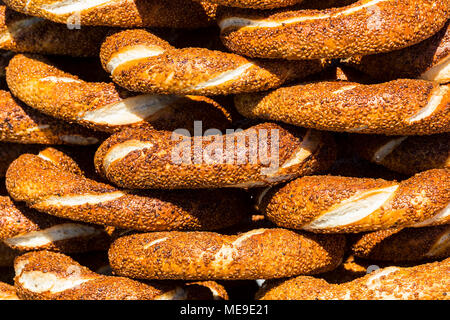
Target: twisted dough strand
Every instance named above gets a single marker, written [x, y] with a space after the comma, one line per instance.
[257, 254]
[59, 192]
[21, 124]
[399, 107]
[262, 155]
[365, 27]
[330, 204]
[7, 292]
[423, 282]
[140, 61]
[103, 106]
[117, 13]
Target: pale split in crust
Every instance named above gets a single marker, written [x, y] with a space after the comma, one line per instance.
[22, 33]
[103, 106]
[140, 61]
[121, 13]
[398, 107]
[44, 186]
[257, 254]
[330, 204]
[422, 282]
[22, 124]
[405, 154]
[410, 244]
[365, 27]
[265, 154]
[428, 60]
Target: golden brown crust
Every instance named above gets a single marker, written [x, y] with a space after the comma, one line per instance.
[255, 4]
[332, 204]
[365, 27]
[410, 244]
[411, 62]
[140, 61]
[45, 275]
[11, 151]
[21, 33]
[21, 124]
[264, 154]
[50, 189]
[257, 254]
[423, 282]
[399, 107]
[7, 292]
[103, 106]
[135, 13]
[407, 155]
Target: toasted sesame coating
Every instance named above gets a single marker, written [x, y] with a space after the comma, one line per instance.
[257, 254]
[365, 27]
[412, 62]
[7, 255]
[330, 204]
[11, 151]
[59, 192]
[44, 87]
[405, 154]
[399, 107]
[7, 292]
[117, 13]
[409, 244]
[22, 124]
[255, 4]
[264, 154]
[22, 229]
[22, 33]
[140, 61]
[422, 282]
[45, 275]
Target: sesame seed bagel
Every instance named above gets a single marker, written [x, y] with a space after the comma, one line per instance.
[7, 292]
[23, 229]
[255, 4]
[399, 107]
[365, 27]
[22, 33]
[118, 13]
[104, 106]
[330, 204]
[405, 154]
[59, 192]
[257, 254]
[429, 60]
[21, 124]
[422, 282]
[264, 154]
[410, 244]
[45, 275]
[140, 61]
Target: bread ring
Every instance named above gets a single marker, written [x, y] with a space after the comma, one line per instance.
[45, 275]
[116, 13]
[140, 61]
[23, 229]
[400, 107]
[330, 204]
[53, 190]
[7, 292]
[23, 33]
[423, 282]
[255, 4]
[7, 255]
[103, 106]
[410, 244]
[257, 254]
[162, 160]
[405, 154]
[22, 124]
[429, 60]
[365, 27]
